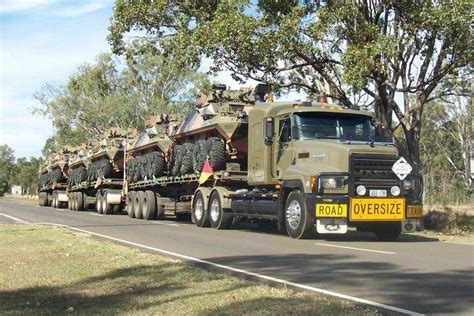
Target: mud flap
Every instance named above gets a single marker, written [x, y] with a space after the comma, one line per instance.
[331, 226]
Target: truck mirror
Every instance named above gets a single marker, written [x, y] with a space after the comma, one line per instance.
[269, 130]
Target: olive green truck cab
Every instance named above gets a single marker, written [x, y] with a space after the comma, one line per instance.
[313, 165]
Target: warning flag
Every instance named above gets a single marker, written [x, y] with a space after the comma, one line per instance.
[206, 172]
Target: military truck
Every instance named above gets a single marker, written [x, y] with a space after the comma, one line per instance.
[302, 165]
[53, 180]
[98, 173]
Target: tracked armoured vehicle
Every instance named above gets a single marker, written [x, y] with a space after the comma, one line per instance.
[53, 179]
[102, 183]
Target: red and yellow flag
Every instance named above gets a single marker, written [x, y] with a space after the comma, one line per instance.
[206, 172]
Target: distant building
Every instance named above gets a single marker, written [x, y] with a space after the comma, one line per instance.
[16, 190]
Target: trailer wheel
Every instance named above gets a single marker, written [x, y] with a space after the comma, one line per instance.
[80, 199]
[117, 209]
[388, 232]
[130, 200]
[298, 221]
[148, 205]
[200, 211]
[219, 219]
[98, 202]
[217, 153]
[160, 210]
[136, 204]
[106, 207]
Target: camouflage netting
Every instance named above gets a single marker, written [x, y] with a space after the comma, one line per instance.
[99, 169]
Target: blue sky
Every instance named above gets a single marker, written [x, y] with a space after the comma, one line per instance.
[44, 41]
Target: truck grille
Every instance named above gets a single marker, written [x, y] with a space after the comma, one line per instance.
[373, 172]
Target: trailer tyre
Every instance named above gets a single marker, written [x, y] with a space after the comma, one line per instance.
[219, 219]
[217, 153]
[79, 201]
[106, 207]
[160, 209]
[388, 232]
[98, 203]
[41, 199]
[137, 210]
[130, 201]
[148, 205]
[200, 211]
[298, 221]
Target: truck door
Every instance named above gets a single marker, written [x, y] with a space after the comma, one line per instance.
[282, 153]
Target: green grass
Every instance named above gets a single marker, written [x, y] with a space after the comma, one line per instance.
[47, 270]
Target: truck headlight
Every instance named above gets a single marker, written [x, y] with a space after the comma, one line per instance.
[361, 190]
[408, 184]
[395, 190]
[331, 182]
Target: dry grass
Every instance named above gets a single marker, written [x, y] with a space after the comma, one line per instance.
[56, 271]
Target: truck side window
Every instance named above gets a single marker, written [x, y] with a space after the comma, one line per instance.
[284, 130]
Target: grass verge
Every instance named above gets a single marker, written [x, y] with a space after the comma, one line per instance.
[47, 270]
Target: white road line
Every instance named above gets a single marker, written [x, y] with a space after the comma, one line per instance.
[457, 242]
[229, 268]
[38, 206]
[354, 248]
[94, 214]
[14, 218]
[58, 209]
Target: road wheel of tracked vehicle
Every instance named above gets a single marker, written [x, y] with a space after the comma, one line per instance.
[130, 201]
[216, 153]
[200, 152]
[106, 207]
[388, 231]
[136, 204]
[219, 219]
[298, 221]
[148, 205]
[199, 210]
[186, 166]
[80, 199]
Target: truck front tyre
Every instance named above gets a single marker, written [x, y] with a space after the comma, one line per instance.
[130, 200]
[219, 219]
[148, 205]
[298, 221]
[199, 211]
[388, 232]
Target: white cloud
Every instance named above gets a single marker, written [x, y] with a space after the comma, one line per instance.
[8, 6]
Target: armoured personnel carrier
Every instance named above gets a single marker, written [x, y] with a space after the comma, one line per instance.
[147, 155]
[99, 171]
[217, 129]
[78, 164]
[53, 179]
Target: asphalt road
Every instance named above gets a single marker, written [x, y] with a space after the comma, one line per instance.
[417, 274]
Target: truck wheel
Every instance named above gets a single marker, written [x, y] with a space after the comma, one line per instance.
[69, 200]
[219, 219]
[106, 207]
[130, 199]
[199, 211]
[216, 153]
[98, 202]
[298, 221]
[148, 205]
[186, 166]
[388, 232]
[53, 201]
[80, 201]
[200, 151]
[160, 210]
[117, 209]
[136, 204]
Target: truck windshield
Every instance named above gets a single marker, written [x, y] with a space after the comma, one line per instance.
[343, 127]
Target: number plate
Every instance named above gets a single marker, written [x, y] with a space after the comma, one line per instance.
[372, 209]
[415, 211]
[378, 193]
[331, 210]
